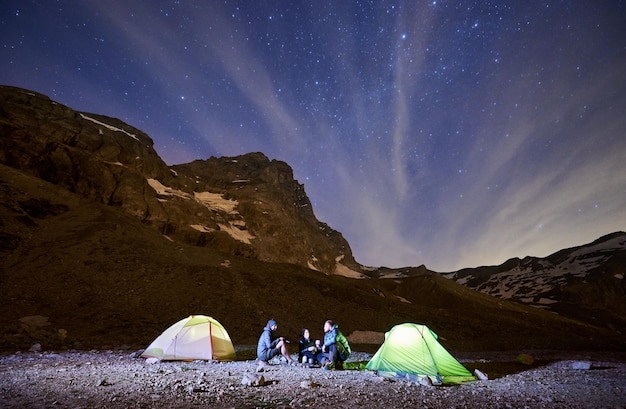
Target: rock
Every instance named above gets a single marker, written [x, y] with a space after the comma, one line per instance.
[366, 337]
[425, 381]
[103, 382]
[152, 361]
[35, 347]
[481, 375]
[584, 365]
[308, 384]
[253, 380]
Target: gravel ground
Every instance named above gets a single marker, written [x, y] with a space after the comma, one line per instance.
[117, 379]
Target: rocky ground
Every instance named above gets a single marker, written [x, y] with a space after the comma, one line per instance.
[118, 379]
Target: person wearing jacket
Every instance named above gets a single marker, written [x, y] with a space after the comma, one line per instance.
[335, 349]
[307, 351]
[270, 346]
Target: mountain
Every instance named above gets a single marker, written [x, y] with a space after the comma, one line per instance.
[103, 244]
[233, 204]
[585, 282]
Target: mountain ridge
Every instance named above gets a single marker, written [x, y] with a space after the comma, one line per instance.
[580, 282]
[105, 244]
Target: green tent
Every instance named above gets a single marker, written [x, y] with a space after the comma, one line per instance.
[412, 351]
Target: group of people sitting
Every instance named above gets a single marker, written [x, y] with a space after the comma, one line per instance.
[329, 354]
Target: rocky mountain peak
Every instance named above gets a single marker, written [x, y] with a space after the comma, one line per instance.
[246, 205]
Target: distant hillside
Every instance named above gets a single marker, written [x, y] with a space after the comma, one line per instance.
[585, 282]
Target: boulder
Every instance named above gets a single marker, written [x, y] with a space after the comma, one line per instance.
[581, 365]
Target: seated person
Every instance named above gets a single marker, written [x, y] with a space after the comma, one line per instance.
[335, 349]
[307, 350]
[270, 346]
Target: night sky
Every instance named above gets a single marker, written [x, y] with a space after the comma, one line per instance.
[447, 133]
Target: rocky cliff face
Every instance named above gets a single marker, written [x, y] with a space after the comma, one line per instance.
[247, 206]
[271, 211]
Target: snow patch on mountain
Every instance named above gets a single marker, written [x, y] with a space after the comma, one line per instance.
[342, 270]
[236, 232]
[216, 201]
[111, 127]
[163, 190]
[213, 201]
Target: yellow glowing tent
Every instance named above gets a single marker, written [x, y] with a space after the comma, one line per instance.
[196, 337]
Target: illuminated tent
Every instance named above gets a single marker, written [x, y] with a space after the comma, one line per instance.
[194, 337]
[412, 351]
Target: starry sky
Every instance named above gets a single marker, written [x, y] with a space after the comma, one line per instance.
[447, 133]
